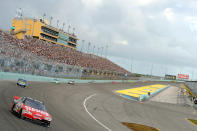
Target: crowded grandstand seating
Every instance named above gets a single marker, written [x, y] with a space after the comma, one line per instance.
[38, 50]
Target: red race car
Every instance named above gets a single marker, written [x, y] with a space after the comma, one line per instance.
[32, 109]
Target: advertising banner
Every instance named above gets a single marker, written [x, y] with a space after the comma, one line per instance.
[183, 76]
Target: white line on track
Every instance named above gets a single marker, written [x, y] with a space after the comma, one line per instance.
[84, 104]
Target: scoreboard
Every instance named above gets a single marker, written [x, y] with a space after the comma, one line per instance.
[170, 77]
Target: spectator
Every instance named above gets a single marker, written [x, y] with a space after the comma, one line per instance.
[31, 49]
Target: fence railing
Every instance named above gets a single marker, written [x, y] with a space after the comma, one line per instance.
[52, 69]
[23, 66]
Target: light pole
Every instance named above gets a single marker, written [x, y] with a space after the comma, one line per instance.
[73, 31]
[82, 44]
[58, 23]
[89, 44]
[43, 17]
[98, 51]
[102, 51]
[192, 74]
[166, 70]
[63, 26]
[106, 51]
[131, 64]
[151, 71]
[51, 18]
[69, 26]
[93, 49]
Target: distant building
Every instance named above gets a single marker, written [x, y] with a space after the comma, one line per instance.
[41, 29]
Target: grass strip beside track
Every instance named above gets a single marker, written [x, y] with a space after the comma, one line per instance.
[188, 90]
[139, 127]
[193, 121]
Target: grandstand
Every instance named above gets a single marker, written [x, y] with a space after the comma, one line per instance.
[34, 50]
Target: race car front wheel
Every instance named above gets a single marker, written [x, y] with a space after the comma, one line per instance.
[48, 124]
[21, 115]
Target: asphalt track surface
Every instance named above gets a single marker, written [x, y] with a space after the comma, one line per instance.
[69, 106]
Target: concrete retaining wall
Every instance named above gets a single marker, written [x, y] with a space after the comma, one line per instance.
[15, 76]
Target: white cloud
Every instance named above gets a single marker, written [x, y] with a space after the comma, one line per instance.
[192, 22]
[92, 3]
[179, 5]
[143, 2]
[151, 16]
[122, 42]
[169, 14]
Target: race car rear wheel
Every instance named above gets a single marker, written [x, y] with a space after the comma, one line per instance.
[12, 109]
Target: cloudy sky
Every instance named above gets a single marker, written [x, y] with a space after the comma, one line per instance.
[148, 34]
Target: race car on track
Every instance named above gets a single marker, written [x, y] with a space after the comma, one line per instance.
[195, 100]
[71, 82]
[55, 81]
[29, 108]
[22, 83]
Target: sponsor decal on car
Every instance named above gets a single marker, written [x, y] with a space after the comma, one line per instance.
[36, 110]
